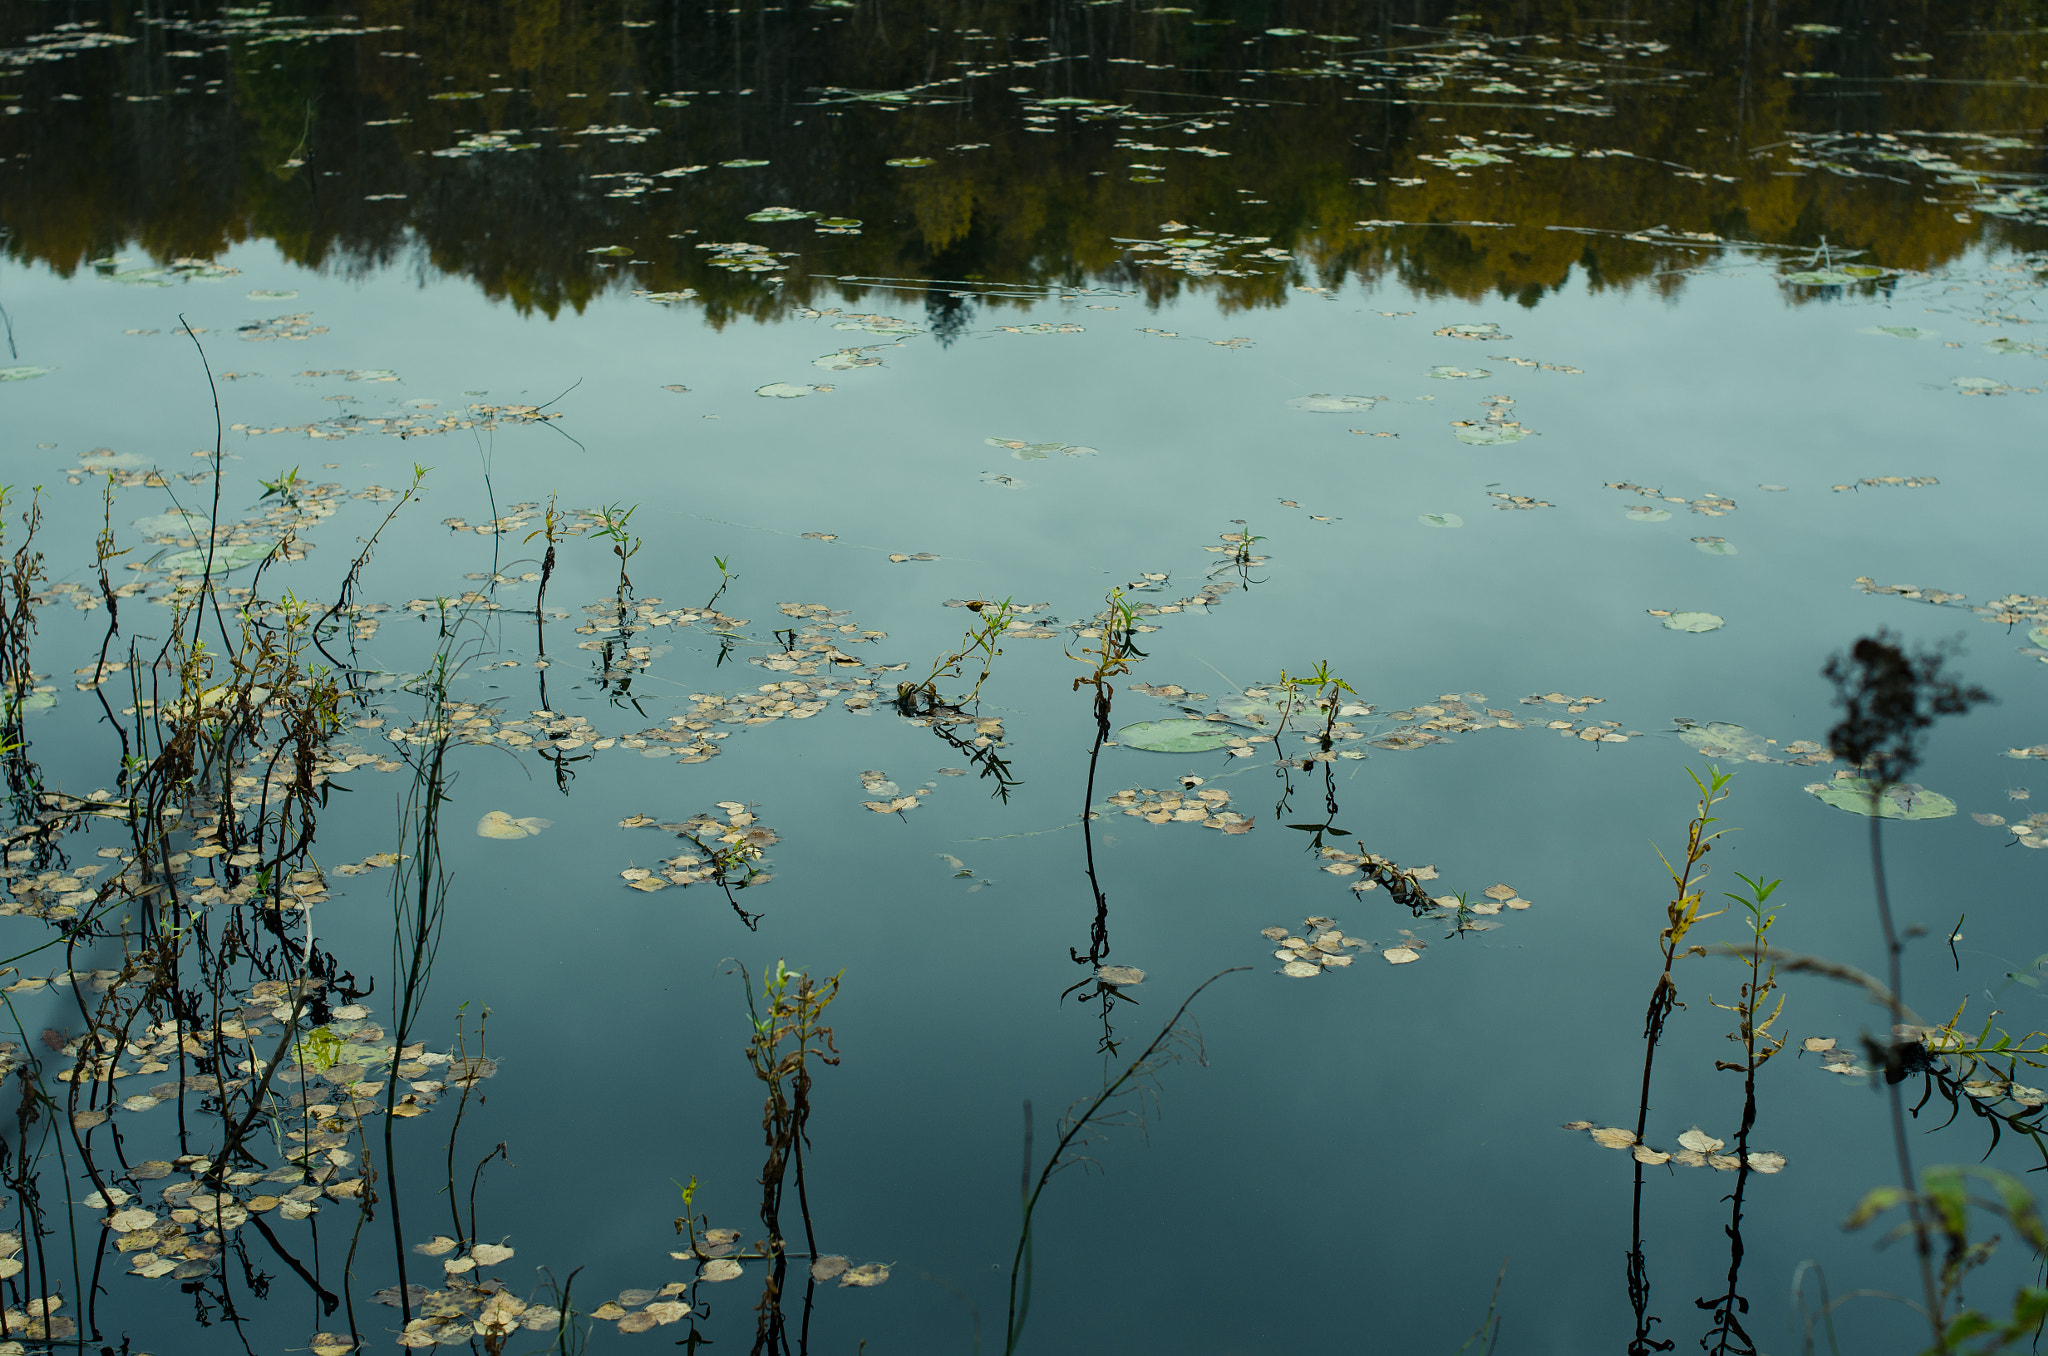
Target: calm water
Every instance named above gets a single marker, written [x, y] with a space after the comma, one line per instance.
[1517, 339]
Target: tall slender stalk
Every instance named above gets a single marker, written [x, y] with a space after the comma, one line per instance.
[1681, 914]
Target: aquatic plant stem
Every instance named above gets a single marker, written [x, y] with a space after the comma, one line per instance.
[1136, 1068]
[1894, 955]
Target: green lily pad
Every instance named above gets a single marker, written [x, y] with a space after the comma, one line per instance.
[1693, 622]
[1977, 384]
[1475, 158]
[910, 162]
[2039, 635]
[1174, 736]
[1491, 435]
[671, 103]
[36, 701]
[741, 164]
[1642, 513]
[458, 94]
[1713, 546]
[1287, 32]
[840, 223]
[614, 251]
[1718, 739]
[1903, 331]
[225, 558]
[779, 214]
[1902, 801]
[1439, 520]
[22, 373]
[783, 390]
[1459, 373]
[1552, 152]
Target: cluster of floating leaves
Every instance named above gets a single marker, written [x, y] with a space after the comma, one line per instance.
[1194, 803]
[1709, 505]
[729, 850]
[1517, 501]
[1908, 482]
[1324, 948]
[1495, 427]
[414, 419]
[885, 797]
[1696, 1149]
[1200, 253]
[341, 1071]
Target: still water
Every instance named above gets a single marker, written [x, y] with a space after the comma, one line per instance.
[1453, 424]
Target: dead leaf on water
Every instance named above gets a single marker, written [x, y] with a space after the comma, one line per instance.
[498, 824]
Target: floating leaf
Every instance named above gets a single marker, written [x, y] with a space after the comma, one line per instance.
[1643, 513]
[741, 164]
[785, 390]
[719, 1269]
[1699, 1141]
[1475, 158]
[826, 1268]
[1902, 331]
[910, 162]
[1693, 622]
[498, 824]
[1901, 801]
[1174, 736]
[1439, 520]
[1119, 976]
[779, 214]
[1643, 1153]
[1400, 955]
[1301, 969]
[1609, 1137]
[1459, 373]
[1713, 546]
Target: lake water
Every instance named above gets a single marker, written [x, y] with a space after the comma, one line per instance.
[1570, 384]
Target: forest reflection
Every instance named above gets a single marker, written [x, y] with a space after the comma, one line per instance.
[551, 151]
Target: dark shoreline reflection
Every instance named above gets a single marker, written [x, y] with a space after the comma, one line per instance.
[512, 145]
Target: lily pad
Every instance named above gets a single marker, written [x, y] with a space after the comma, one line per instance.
[1641, 514]
[1491, 435]
[783, 390]
[741, 164]
[1439, 520]
[1713, 546]
[1459, 373]
[177, 522]
[1475, 158]
[910, 162]
[225, 558]
[779, 214]
[1903, 331]
[1333, 404]
[1551, 152]
[1902, 801]
[1693, 622]
[498, 824]
[2039, 635]
[22, 373]
[1174, 736]
[1834, 277]
[273, 294]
